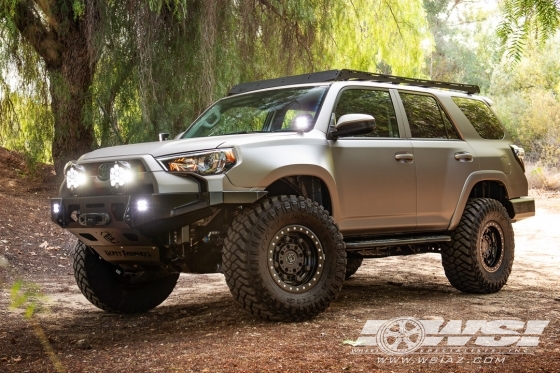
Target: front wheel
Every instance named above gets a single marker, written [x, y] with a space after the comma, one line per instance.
[480, 255]
[353, 262]
[284, 259]
[108, 287]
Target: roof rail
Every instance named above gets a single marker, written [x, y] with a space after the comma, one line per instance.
[349, 75]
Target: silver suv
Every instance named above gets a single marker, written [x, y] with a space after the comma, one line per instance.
[287, 184]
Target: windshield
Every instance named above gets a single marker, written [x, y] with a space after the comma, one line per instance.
[290, 109]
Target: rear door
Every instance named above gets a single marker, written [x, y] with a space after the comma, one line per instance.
[443, 160]
[375, 173]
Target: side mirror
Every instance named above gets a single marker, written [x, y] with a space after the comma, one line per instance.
[353, 125]
[163, 136]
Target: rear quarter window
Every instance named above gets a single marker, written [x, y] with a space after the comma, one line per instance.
[481, 117]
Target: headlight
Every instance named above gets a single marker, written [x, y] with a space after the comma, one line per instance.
[120, 174]
[203, 163]
[75, 176]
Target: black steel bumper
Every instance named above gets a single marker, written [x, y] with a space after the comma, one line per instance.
[131, 211]
[125, 228]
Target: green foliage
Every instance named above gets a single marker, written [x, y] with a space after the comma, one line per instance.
[78, 8]
[26, 126]
[26, 123]
[527, 98]
[378, 36]
[165, 67]
[543, 177]
[527, 19]
[26, 296]
[158, 64]
[23, 135]
[465, 46]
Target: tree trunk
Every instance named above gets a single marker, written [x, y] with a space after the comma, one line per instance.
[71, 102]
[63, 39]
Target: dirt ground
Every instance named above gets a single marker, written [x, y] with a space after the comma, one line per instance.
[201, 329]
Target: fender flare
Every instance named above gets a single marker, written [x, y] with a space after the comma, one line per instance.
[472, 180]
[306, 170]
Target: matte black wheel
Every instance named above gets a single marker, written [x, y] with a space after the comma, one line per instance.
[480, 255]
[353, 262]
[284, 259]
[108, 287]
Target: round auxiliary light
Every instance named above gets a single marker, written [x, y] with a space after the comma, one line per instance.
[75, 176]
[120, 174]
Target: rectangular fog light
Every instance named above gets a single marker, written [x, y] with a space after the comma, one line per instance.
[142, 205]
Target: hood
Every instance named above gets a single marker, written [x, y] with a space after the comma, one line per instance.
[160, 148]
[156, 148]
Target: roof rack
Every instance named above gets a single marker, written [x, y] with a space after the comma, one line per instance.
[349, 75]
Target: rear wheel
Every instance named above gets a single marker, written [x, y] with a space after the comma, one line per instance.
[284, 259]
[110, 288]
[480, 256]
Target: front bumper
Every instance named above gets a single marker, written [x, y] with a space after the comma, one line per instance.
[138, 210]
[125, 228]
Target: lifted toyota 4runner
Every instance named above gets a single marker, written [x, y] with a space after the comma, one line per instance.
[287, 184]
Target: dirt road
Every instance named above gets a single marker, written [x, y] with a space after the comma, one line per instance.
[200, 328]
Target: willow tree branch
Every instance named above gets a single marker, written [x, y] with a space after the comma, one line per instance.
[44, 41]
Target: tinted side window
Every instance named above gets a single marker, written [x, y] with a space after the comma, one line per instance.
[426, 118]
[375, 103]
[481, 117]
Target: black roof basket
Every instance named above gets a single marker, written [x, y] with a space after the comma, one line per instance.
[349, 75]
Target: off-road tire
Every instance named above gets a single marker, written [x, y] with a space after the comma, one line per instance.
[105, 288]
[258, 274]
[467, 262]
[353, 262]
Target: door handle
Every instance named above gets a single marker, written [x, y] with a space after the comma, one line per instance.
[463, 156]
[404, 157]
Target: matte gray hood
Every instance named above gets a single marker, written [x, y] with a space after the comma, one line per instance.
[160, 148]
[156, 148]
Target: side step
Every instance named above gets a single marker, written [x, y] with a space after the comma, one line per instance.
[393, 242]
